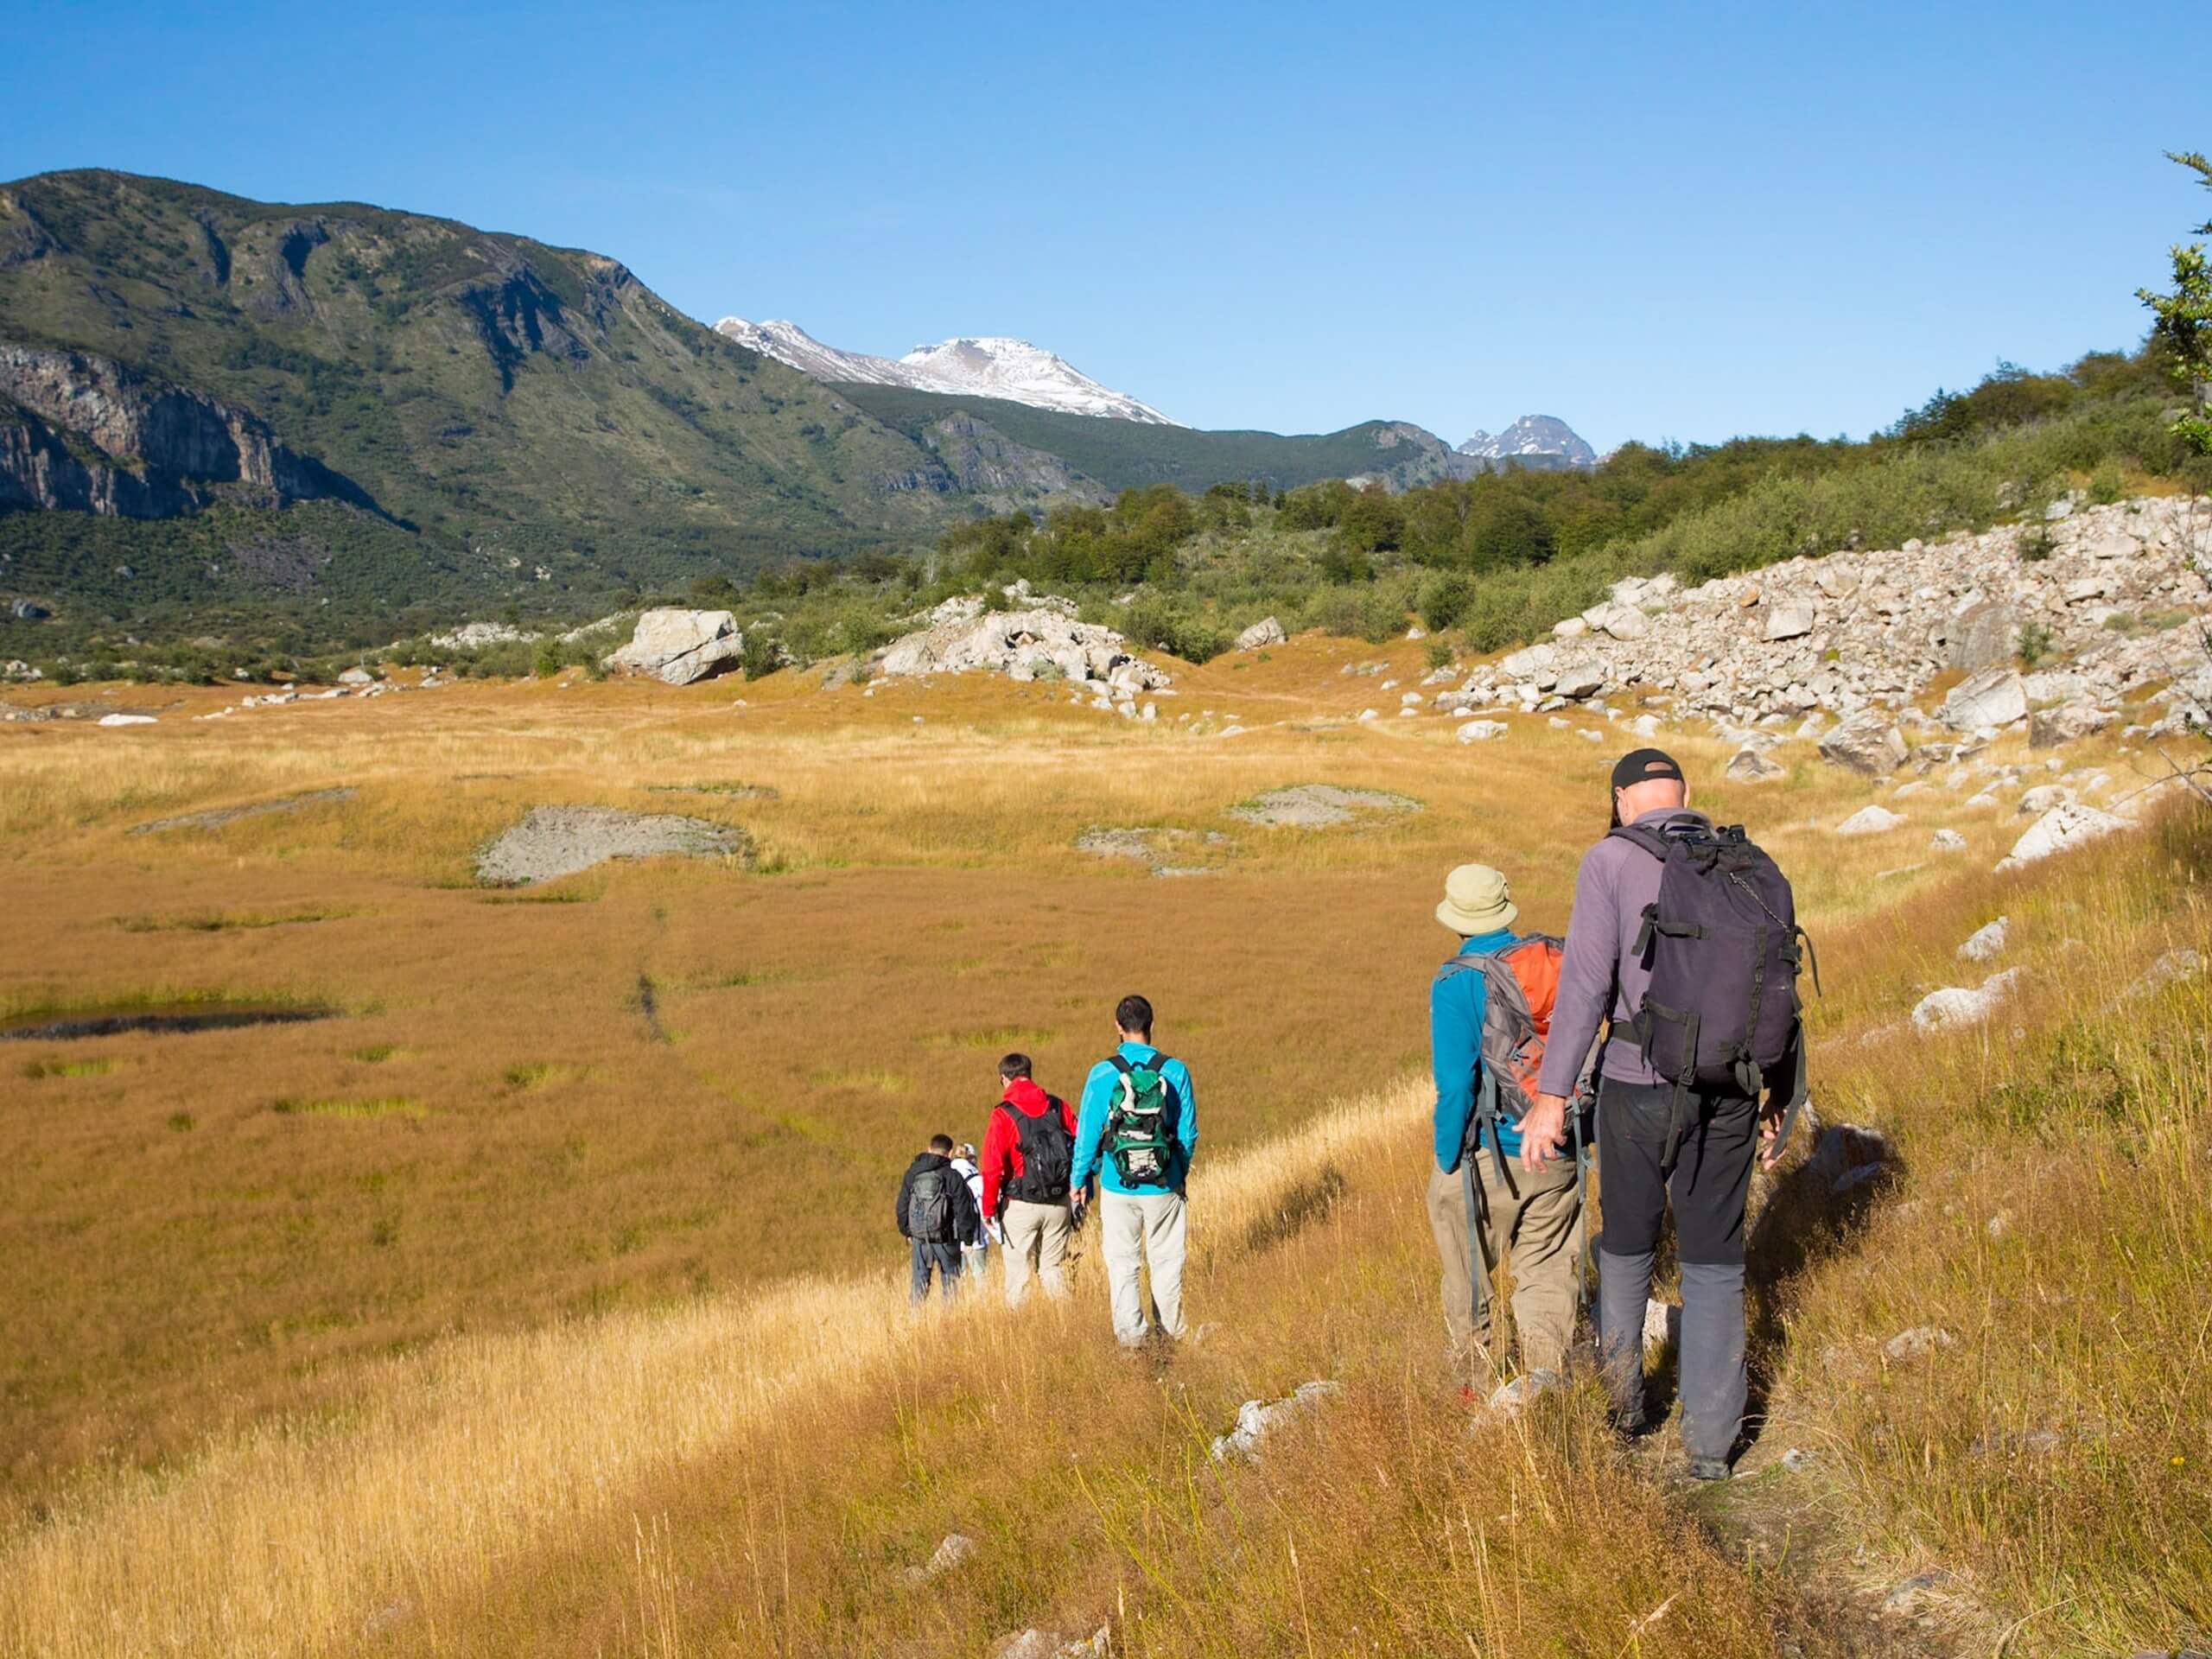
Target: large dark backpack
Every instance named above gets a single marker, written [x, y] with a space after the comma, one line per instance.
[928, 1205]
[1137, 1137]
[1722, 942]
[1047, 1155]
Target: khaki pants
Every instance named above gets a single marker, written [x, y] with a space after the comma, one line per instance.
[1145, 1226]
[1536, 1221]
[1036, 1241]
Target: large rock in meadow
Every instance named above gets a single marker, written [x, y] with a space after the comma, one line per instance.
[2063, 827]
[681, 646]
[1869, 743]
[1265, 632]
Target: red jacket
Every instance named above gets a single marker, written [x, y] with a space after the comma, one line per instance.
[1003, 1137]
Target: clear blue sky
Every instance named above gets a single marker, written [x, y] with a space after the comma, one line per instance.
[1653, 220]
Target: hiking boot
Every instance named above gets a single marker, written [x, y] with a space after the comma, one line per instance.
[1628, 1425]
[1709, 1469]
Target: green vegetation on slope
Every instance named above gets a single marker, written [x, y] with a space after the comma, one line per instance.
[1131, 454]
[481, 388]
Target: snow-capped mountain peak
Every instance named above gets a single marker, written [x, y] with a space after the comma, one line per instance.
[983, 365]
[1533, 434]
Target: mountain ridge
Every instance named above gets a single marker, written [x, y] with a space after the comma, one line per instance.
[988, 365]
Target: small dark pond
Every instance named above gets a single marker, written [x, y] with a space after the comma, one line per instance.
[174, 1017]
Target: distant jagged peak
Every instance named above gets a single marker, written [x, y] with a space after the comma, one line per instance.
[1533, 434]
[973, 365]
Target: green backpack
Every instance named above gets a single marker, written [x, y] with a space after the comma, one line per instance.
[1136, 1126]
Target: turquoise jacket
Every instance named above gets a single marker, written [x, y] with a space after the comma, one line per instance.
[1098, 1091]
[1455, 1049]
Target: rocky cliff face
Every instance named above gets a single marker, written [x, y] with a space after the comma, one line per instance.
[90, 435]
[982, 460]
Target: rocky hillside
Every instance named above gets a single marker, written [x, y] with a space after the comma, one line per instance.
[2071, 622]
[505, 421]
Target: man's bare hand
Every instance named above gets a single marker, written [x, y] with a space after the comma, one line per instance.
[1770, 1137]
[1543, 1132]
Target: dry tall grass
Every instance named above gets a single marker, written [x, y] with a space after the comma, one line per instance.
[747, 1470]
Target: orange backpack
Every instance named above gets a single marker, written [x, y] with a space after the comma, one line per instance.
[1522, 984]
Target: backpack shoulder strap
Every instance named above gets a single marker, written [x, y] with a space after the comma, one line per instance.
[1652, 841]
[1119, 1063]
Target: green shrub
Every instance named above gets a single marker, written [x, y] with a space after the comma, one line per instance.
[2034, 643]
[1443, 599]
[2108, 484]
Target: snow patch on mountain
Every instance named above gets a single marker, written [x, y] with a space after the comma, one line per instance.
[1532, 435]
[972, 367]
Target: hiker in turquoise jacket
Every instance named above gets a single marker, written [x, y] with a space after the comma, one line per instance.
[1139, 1221]
[1537, 1218]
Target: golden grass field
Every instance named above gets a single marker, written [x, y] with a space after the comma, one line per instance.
[543, 1300]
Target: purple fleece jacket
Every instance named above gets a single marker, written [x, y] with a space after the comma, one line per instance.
[1601, 969]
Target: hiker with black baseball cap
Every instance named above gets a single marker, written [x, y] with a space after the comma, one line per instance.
[1684, 943]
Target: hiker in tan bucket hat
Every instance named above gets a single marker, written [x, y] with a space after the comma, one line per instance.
[1489, 1008]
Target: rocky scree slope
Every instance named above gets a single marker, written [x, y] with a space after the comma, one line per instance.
[2108, 602]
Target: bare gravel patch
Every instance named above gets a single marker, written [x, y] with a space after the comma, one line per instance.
[556, 841]
[1320, 806]
[215, 817]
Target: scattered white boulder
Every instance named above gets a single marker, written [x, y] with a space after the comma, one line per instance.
[1993, 698]
[1257, 1419]
[1749, 767]
[125, 720]
[1986, 942]
[1481, 731]
[957, 1548]
[1265, 632]
[679, 646]
[1869, 743]
[2043, 796]
[1790, 620]
[357, 675]
[2063, 827]
[1662, 1324]
[1871, 821]
[1956, 1005]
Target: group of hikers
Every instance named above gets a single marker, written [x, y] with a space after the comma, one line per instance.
[1132, 1134]
[1661, 1037]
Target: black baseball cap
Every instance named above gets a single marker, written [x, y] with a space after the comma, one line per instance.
[1640, 765]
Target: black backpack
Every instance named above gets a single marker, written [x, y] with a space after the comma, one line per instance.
[1047, 1155]
[928, 1205]
[1722, 944]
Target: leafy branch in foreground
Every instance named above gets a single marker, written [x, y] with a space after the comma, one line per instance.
[2185, 321]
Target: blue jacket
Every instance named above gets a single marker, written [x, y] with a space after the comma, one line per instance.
[1455, 1048]
[1098, 1091]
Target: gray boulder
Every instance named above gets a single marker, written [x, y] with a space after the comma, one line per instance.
[1994, 697]
[1869, 743]
[1984, 638]
[1790, 620]
[1749, 767]
[1265, 632]
[2049, 728]
[2061, 828]
[1870, 821]
[1578, 679]
[1987, 941]
[680, 646]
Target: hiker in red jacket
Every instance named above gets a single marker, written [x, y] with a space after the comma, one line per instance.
[1028, 1150]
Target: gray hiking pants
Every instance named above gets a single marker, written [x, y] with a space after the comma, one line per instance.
[1707, 1190]
[1147, 1228]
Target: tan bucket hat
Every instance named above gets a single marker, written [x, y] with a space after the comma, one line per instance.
[1476, 900]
